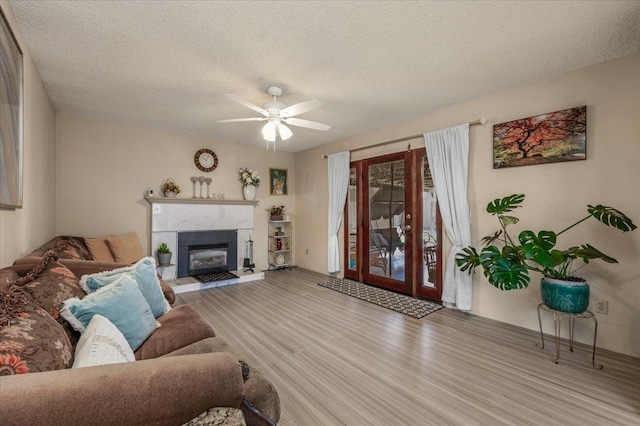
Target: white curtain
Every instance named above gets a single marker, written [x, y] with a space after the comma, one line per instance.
[338, 167]
[448, 155]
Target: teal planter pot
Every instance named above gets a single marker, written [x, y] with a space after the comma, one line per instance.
[565, 296]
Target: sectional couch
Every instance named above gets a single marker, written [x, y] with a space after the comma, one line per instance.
[182, 372]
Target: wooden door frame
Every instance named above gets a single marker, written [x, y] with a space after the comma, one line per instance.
[415, 256]
[387, 282]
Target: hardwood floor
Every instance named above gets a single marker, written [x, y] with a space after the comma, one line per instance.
[336, 360]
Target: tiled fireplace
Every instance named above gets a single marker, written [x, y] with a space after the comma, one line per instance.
[195, 221]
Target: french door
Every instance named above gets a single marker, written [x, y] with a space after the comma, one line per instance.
[392, 225]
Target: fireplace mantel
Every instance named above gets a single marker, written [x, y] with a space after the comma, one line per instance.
[169, 200]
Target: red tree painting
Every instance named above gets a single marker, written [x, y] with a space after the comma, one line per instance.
[556, 136]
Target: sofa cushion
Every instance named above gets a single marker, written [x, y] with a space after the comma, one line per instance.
[143, 273]
[122, 303]
[181, 327]
[33, 342]
[126, 249]
[99, 249]
[102, 343]
[51, 288]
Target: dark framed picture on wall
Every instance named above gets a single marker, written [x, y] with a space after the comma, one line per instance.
[546, 138]
[11, 116]
[278, 184]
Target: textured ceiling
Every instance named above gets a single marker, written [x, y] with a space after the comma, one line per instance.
[168, 64]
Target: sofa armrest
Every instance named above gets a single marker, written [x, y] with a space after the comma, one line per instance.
[162, 391]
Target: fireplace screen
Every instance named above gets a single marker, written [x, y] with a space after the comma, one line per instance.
[208, 258]
[205, 252]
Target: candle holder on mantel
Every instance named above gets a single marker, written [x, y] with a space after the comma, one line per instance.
[194, 179]
[208, 180]
[201, 179]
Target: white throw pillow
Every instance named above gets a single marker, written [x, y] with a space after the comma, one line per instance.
[102, 343]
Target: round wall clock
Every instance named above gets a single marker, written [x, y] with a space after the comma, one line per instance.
[206, 160]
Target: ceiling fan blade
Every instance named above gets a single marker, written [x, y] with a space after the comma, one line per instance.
[235, 120]
[306, 123]
[300, 108]
[247, 104]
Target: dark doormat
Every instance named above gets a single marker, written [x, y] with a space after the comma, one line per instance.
[416, 308]
[215, 276]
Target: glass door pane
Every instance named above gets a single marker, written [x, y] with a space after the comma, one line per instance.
[352, 221]
[386, 219]
[429, 227]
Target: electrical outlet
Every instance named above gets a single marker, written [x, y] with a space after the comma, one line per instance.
[601, 306]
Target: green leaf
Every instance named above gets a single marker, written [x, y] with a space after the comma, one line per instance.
[468, 260]
[537, 247]
[587, 251]
[489, 255]
[611, 217]
[506, 204]
[507, 275]
[489, 239]
[508, 220]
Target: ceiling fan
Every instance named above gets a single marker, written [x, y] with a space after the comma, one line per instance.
[276, 114]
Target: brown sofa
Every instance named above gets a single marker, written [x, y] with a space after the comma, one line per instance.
[153, 390]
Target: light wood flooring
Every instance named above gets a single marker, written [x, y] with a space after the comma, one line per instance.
[336, 360]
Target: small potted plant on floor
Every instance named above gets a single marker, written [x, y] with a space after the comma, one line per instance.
[277, 212]
[164, 255]
[506, 261]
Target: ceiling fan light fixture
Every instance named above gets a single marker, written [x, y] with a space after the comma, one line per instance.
[285, 132]
[269, 132]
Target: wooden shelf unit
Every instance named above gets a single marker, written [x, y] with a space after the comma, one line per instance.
[281, 256]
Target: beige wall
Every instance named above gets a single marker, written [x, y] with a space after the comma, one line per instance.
[104, 169]
[557, 194]
[23, 230]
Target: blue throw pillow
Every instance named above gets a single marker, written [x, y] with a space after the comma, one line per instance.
[143, 273]
[122, 303]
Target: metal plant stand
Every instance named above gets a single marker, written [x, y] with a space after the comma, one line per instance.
[557, 320]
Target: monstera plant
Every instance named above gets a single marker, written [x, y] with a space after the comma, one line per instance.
[506, 261]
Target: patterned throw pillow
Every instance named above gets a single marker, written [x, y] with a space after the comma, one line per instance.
[51, 288]
[74, 249]
[33, 342]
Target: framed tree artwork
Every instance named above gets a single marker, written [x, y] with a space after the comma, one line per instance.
[546, 138]
[11, 116]
[278, 184]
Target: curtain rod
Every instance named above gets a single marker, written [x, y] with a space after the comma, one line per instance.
[406, 138]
